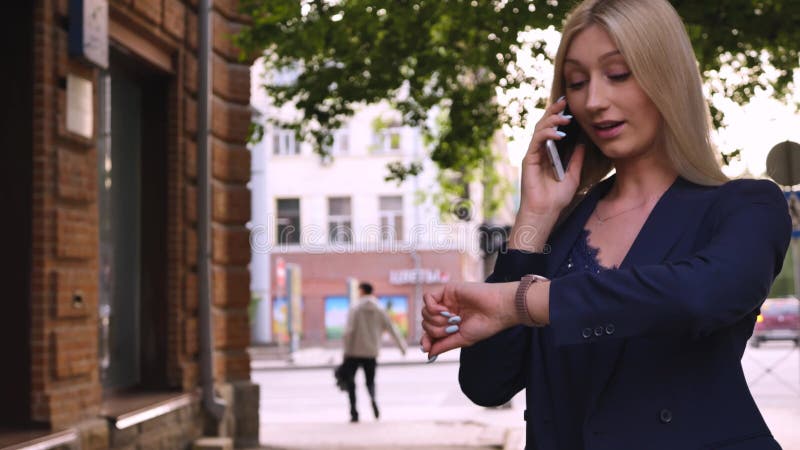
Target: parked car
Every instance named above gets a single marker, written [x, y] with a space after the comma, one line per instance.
[779, 321]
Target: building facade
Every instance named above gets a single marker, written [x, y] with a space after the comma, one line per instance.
[102, 125]
[338, 220]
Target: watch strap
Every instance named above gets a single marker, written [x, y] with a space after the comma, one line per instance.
[520, 300]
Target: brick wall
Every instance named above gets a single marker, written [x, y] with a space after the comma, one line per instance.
[66, 389]
[65, 385]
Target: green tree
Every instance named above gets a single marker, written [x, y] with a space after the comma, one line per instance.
[440, 63]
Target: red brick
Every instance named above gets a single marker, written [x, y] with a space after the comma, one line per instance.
[231, 81]
[73, 352]
[75, 234]
[190, 72]
[224, 30]
[190, 247]
[150, 9]
[77, 174]
[191, 30]
[70, 283]
[231, 245]
[191, 158]
[190, 116]
[231, 204]
[231, 162]
[232, 365]
[230, 121]
[231, 287]
[231, 329]
[190, 292]
[174, 18]
[190, 203]
[190, 337]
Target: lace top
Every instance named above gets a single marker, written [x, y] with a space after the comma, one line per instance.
[582, 257]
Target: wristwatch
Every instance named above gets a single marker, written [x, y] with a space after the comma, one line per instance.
[519, 299]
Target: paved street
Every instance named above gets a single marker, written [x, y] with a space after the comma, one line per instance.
[422, 406]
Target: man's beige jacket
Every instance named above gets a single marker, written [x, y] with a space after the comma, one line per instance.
[366, 322]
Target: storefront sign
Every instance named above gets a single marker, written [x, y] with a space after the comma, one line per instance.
[88, 31]
[422, 276]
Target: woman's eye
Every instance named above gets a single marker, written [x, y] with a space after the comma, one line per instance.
[620, 76]
[575, 84]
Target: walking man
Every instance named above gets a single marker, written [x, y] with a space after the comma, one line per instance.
[366, 322]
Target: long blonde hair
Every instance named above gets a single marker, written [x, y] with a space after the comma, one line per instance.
[652, 39]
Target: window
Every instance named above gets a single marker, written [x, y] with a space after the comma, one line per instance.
[339, 222]
[288, 223]
[341, 143]
[283, 143]
[391, 214]
[387, 140]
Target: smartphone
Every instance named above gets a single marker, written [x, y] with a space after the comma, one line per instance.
[561, 151]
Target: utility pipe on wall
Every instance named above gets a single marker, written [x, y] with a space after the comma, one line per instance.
[214, 405]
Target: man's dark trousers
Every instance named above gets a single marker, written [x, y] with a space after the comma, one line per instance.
[349, 368]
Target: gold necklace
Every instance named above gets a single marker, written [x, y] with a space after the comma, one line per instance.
[597, 216]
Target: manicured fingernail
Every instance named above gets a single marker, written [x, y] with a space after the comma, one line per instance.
[422, 349]
[451, 329]
[561, 98]
[454, 319]
[446, 314]
[432, 359]
[567, 116]
[561, 133]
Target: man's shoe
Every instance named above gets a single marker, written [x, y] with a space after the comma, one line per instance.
[375, 410]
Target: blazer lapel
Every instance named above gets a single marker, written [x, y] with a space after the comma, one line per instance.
[663, 227]
[661, 231]
[562, 242]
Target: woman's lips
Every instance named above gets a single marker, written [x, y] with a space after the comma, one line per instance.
[608, 131]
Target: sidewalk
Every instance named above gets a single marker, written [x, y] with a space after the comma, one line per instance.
[392, 436]
[411, 433]
[321, 358]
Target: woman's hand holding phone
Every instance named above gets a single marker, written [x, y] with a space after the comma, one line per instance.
[542, 195]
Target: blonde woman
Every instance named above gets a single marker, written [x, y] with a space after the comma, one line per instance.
[623, 304]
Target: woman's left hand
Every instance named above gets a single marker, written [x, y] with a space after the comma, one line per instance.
[461, 314]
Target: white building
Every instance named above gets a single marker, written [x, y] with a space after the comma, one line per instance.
[340, 219]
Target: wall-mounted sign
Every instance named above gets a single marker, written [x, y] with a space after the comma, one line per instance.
[80, 112]
[413, 276]
[88, 31]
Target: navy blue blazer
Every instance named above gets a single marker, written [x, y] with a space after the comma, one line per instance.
[674, 320]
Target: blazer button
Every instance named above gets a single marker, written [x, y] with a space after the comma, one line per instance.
[587, 333]
[665, 415]
[610, 329]
[598, 331]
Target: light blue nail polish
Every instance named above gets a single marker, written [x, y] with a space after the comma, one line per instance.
[422, 349]
[432, 359]
[561, 98]
[446, 314]
[561, 133]
[451, 329]
[454, 319]
[567, 116]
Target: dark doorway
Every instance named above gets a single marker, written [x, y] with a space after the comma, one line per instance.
[133, 222]
[16, 164]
